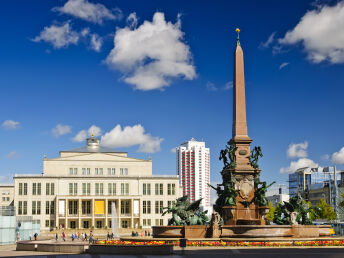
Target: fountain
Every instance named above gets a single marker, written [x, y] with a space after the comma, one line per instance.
[114, 220]
[241, 207]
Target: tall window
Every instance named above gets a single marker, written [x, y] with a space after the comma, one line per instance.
[100, 171]
[124, 188]
[24, 206]
[111, 171]
[86, 188]
[171, 189]
[52, 207]
[96, 171]
[159, 207]
[73, 207]
[83, 171]
[112, 188]
[34, 188]
[38, 207]
[99, 188]
[25, 188]
[52, 189]
[47, 189]
[20, 208]
[75, 171]
[88, 170]
[47, 207]
[123, 171]
[71, 171]
[33, 207]
[86, 207]
[125, 209]
[39, 188]
[20, 190]
[73, 188]
[159, 189]
[146, 189]
[146, 207]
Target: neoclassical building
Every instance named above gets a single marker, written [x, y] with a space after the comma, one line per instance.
[79, 188]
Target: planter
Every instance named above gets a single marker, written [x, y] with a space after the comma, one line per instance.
[135, 250]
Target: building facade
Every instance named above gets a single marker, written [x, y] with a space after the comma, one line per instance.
[83, 187]
[193, 168]
[6, 194]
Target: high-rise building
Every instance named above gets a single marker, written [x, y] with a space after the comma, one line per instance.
[193, 168]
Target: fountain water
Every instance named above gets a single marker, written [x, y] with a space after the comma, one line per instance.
[114, 220]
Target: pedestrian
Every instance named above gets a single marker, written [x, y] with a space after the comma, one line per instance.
[63, 236]
[18, 236]
[78, 235]
[72, 237]
[35, 236]
[57, 237]
[85, 236]
[108, 236]
[112, 236]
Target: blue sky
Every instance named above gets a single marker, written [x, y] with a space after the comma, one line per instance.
[170, 80]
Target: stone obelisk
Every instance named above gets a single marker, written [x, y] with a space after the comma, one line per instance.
[242, 174]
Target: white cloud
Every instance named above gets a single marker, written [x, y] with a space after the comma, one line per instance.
[11, 155]
[325, 157]
[58, 35]
[211, 86]
[297, 150]
[130, 136]
[132, 20]
[151, 55]
[268, 42]
[82, 135]
[10, 125]
[300, 163]
[85, 10]
[84, 32]
[96, 42]
[283, 65]
[174, 150]
[321, 33]
[61, 129]
[338, 157]
[228, 86]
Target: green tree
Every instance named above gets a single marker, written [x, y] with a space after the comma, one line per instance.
[341, 204]
[271, 214]
[325, 210]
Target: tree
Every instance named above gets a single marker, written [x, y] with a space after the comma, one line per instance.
[325, 210]
[341, 204]
[270, 216]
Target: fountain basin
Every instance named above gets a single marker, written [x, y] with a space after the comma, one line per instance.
[266, 231]
[195, 231]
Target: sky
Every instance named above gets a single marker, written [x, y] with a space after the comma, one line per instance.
[146, 76]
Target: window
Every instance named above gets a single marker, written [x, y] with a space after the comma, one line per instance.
[24, 205]
[159, 207]
[146, 189]
[99, 224]
[88, 170]
[100, 171]
[110, 207]
[70, 188]
[25, 188]
[83, 188]
[52, 223]
[123, 171]
[20, 190]
[171, 189]
[147, 222]
[124, 188]
[34, 188]
[111, 188]
[70, 171]
[20, 208]
[170, 204]
[39, 188]
[72, 224]
[75, 171]
[146, 207]
[47, 223]
[88, 192]
[38, 207]
[75, 188]
[125, 209]
[111, 171]
[96, 171]
[124, 224]
[47, 207]
[52, 189]
[52, 207]
[73, 207]
[83, 171]
[159, 222]
[47, 188]
[86, 207]
[159, 189]
[86, 188]
[33, 207]
[86, 224]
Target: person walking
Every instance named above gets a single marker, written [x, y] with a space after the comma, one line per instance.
[57, 237]
[63, 236]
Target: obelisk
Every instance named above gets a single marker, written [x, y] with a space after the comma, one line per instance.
[240, 138]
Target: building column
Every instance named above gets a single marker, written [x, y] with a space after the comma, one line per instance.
[106, 212]
[79, 213]
[119, 213]
[132, 213]
[66, 213]
[57, 217]
[92, 211]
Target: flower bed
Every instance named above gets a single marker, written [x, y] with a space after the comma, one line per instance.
[226, 243]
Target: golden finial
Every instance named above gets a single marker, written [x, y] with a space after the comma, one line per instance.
[92, 134]
[238, 31]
